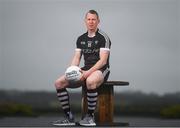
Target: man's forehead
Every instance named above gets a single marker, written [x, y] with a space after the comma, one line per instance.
[89, 15]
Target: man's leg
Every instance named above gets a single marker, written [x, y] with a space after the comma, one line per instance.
[63, 97]
[92, 83]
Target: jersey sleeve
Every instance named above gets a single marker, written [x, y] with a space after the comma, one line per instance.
[106, 43]
[78, 46]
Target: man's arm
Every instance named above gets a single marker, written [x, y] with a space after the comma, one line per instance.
[104, 54]
[76, 58]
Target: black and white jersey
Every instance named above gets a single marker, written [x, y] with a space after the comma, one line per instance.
[90, 47]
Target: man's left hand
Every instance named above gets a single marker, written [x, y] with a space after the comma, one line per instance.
[86, 73]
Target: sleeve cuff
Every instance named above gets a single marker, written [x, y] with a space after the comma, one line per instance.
[78, 49]
[105, 49]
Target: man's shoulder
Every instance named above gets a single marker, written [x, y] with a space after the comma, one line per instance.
[84, 35]
[102, 34]
[105, 38]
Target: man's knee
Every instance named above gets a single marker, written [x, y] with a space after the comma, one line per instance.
[93, 82]
[90, 81]
[60, 83]
[57, 83]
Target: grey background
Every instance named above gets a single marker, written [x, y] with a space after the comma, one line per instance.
[37, 41]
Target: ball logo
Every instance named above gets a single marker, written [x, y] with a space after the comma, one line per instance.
[73, 74]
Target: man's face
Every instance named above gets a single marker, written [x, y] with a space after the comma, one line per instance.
[91, 21]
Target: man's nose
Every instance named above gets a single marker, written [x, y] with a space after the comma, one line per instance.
[91, 21]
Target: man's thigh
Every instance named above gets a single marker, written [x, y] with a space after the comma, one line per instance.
[66, 84]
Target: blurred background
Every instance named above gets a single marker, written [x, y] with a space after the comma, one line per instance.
[37, 42]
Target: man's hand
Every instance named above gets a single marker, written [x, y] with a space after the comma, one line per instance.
[85, 75]
[82, 77]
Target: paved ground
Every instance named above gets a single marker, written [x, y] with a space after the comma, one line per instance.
[46, 121]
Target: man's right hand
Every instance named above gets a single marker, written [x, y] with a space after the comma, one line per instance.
[82, 77]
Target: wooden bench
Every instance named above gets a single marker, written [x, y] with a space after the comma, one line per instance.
[105, 106]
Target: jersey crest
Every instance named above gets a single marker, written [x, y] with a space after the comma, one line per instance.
[89, 43]
[96, 42]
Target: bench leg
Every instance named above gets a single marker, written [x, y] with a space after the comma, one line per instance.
[105, 106]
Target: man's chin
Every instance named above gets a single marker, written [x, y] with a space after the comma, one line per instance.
[92, 29]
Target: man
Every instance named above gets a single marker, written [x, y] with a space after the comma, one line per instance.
[94, 45]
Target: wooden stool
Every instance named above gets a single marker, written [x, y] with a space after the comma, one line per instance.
[105, 105]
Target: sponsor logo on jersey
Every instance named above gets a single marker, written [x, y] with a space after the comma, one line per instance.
[90, 50]
[83, 42]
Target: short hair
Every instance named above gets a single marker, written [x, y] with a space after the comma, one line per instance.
[93, 12]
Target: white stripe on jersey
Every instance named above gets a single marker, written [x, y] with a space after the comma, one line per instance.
[107, 45]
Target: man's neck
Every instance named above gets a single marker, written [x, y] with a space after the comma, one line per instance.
[92, 33]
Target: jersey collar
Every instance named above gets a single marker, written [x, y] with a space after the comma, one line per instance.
[95, 33]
